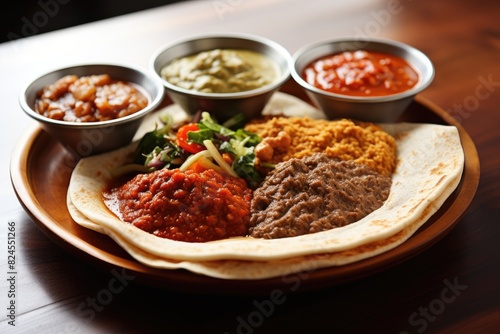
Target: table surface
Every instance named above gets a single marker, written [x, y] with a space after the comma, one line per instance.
[56, 292]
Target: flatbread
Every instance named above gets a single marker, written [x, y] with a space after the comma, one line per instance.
[430, 165]
[253, 270]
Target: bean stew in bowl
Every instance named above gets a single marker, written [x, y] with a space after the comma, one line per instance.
[92, 108]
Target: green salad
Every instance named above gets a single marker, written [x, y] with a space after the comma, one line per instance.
[199, 145]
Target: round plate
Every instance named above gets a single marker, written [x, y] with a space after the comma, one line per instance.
[42, 192]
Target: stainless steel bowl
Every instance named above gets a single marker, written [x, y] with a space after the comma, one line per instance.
[373, 109]
[87, 138]
[222, 105]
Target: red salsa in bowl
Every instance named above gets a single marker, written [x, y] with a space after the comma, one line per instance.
[361, 73]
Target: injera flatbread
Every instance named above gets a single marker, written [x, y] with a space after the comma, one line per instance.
[253, 270]
[430, 164]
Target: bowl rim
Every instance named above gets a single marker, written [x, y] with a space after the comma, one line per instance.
[154, 102]
[419, 87]
[281, 50]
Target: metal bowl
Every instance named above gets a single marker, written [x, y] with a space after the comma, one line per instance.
[372, 109]
[88, 138]
[222, 105]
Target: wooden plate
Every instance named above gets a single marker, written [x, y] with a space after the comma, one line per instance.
[40, 173]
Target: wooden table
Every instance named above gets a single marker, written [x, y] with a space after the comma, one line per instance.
[451, 287]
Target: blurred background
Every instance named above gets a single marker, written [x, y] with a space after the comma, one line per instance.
[23, 18]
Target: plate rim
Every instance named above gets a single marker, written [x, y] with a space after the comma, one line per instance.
[182, 280]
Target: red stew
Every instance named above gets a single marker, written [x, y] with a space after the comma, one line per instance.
[90, 98]
[185, 206]
[361, 73]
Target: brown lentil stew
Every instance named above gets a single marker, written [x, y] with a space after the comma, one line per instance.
[184, 206]
[91, 98]
[314, 194]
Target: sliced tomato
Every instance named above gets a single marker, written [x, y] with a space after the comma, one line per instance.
[184, 142]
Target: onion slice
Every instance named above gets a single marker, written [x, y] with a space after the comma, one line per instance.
[214, 152]
[193, 158]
